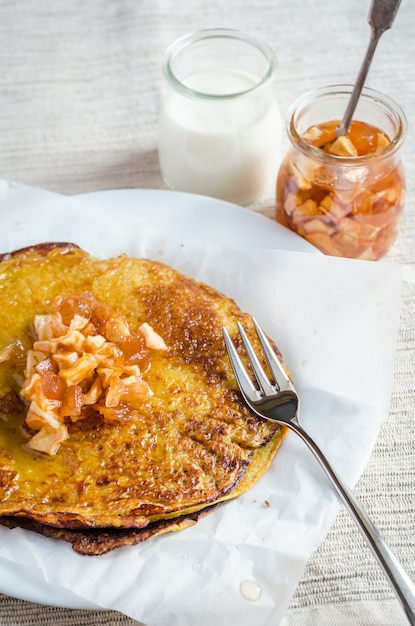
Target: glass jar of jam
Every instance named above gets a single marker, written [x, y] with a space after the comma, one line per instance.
[345, 195]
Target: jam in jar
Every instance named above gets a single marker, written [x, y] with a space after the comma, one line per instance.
[343, 194]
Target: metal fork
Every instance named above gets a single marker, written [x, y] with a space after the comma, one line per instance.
[276, 399]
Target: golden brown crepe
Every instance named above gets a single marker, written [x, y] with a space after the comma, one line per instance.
[189, 443]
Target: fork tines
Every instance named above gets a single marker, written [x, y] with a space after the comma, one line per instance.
[280, 381]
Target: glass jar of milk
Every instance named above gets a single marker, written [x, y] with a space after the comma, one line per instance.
[220, 125]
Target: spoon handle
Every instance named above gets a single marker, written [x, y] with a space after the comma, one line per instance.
[381, 16]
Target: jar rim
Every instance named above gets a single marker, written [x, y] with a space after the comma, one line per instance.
[368, 94]
[216, 33]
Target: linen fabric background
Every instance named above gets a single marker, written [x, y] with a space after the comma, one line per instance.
[80, 87]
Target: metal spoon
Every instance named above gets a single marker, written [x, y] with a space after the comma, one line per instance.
[381, 16]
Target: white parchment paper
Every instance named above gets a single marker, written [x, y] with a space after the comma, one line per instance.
[336, 323]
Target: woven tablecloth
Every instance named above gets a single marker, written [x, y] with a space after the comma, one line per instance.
[80, 87]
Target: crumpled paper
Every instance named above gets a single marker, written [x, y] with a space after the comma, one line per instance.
[335, 322]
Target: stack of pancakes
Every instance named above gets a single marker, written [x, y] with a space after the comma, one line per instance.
[192, 442]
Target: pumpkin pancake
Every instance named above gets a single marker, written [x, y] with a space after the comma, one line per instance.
[98, 541]
[119, 412]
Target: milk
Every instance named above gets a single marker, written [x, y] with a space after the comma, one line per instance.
[225, 147]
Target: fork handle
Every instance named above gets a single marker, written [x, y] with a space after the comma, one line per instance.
[397, 576]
